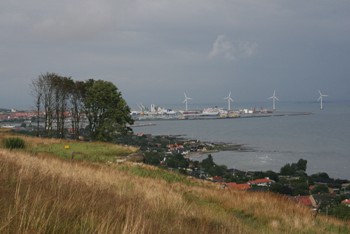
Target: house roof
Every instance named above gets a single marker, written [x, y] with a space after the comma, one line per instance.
[238, 186]
[260, 181]
[346, 201]
[218, 178]
[304, 200]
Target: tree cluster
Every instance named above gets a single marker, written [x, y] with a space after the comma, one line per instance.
[294, 168]
[94, 105]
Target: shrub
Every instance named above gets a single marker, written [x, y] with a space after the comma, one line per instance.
[14, 143]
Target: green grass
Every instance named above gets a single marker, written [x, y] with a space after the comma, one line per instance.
[14, 143]
[95, 152]
[157, 173]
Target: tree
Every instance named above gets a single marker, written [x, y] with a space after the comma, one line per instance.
[57, 97]
[300, 189]
[77, 106]
[207, 163]
[43, 91]
[153, 158]
[272, 175]
[217, 170]
[340, 211]
[294, 168]
[281, 188]
[320, 188]
[62, 89]
[106, 110]
[287, 170]
[301, 165]
[37, 92]
[177, 161]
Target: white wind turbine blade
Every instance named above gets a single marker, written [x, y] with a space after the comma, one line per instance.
[186, 97]
[321, 94]
[229, 100]
[186, 100]
[273, 96]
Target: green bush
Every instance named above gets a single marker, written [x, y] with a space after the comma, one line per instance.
[14, 143]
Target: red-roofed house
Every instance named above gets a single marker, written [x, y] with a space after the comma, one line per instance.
[346, 202]
[238, 186]
[218, 179]
[261, 182]
[305, 200]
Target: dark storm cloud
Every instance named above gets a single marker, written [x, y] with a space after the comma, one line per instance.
[154, 50]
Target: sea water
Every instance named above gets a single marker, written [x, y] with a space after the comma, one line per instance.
[322, 138]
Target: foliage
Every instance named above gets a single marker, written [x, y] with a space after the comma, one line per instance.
[272, 175]
[321, 175]
[281, 189]
[287, 170]
[294, 168]
[102, 103]
[301, 165]
[207, 163]
[153, 158]
[341, 211]
[320, 188]
[106, 110]
[52, 93]
[217, 170]
[14, 143]
[300, 189]
[176, 161]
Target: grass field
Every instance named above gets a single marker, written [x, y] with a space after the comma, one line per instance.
[43, 192]
[69, 149]
[97, 152]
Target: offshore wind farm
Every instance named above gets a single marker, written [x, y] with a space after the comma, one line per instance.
[218, 111]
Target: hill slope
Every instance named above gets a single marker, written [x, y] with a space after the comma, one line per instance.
[40, 193]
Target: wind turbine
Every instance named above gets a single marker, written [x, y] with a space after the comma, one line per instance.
[229, 100]
[186, 100]
[274, 98]
[320, 99]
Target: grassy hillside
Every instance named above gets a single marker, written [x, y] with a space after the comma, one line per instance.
[42, 191]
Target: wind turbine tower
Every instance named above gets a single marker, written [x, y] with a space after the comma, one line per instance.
[229, 100]
[320, 99]
[186, 100]
[274, 98]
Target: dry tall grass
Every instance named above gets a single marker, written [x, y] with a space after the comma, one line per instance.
[50, 195]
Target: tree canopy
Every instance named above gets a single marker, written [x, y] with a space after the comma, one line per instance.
[294, 168]
[98, 102]
[106, 110]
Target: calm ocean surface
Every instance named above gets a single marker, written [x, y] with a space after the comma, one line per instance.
[322, 138]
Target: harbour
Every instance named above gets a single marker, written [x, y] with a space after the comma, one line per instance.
[300, 130]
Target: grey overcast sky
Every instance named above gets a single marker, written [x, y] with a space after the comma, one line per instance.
[155, 50]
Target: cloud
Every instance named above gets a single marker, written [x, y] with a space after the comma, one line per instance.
[74, 20]
[223, 47]
[142, 45]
